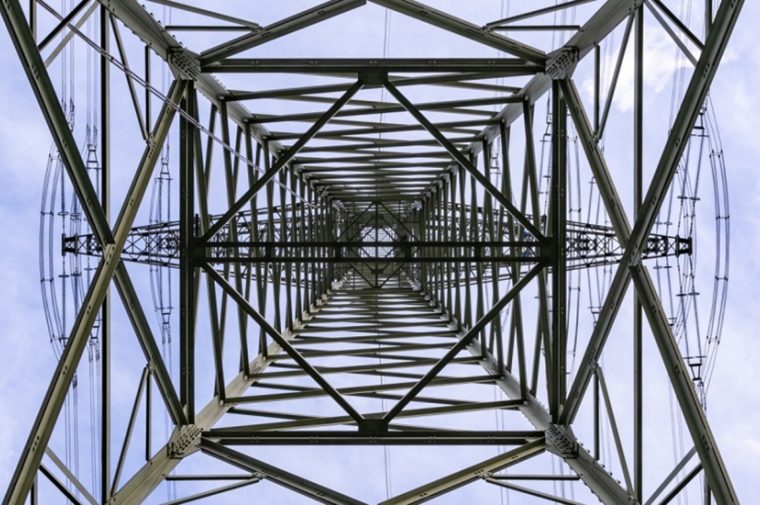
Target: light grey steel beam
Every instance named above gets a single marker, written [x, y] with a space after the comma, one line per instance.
[105, 136]
[513, 476]
[471, 334]
[673, 35]
[533, 492]
[262, 35]
[672, 475]
[682, 484]
[614, 428]
[384, 129]
[638, 193]
[112, 243]
[130, 82]
[205, 28]
[599, 25]
[212, 14]
[354, 66]
[39, 80]
[130, 428]
[282, 161]
[453, 107]
[62, 24]
[148, 344]
[277, 475]
[421, 412]
[465, 29]
[694, 97]
[214, 492]
[70, 476]
[615, 75]
[66, 38]
[463, 161]
[468, 475]
[286, 346]
[59, 485]
[411, 436]
[537, 12]
[681, 26]
[536, 28]
[206, 477]
[596, 477]
[147, 478]
[448, 80]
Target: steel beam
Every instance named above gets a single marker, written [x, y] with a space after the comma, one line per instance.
[279, 29]
[694, 97]
[282, 161]
[148, 344]
[292, 352]
[244, 437]
[463, 161]
[112, 243]
[471, 334]
[145, 480]
[501, 66]
[468, 475]
[277, 475]
[465, 29]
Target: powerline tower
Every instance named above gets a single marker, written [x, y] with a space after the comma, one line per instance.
[346, 251]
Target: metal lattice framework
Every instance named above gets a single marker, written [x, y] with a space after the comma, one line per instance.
[383, 264]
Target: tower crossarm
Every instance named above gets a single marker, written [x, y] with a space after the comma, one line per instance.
[587, 245]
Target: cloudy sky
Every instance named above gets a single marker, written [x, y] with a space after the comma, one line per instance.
[27, 360]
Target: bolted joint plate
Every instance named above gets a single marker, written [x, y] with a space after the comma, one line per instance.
[185, 441]
[373, 426]
[557, 438]
[185, 65]
[558, 66]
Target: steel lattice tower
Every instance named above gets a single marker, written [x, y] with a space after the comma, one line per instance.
[346, 267]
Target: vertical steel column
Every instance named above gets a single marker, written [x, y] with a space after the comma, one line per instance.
[597, 86]
[424, 235]
[148, 112]
[463, 298]
[33, 18]
[297, 229]
[445, 223]
[638, 166]
[313, 295]
[287, 233]
[516, 335]
[558, 223]
[471, 236]
[323, 280]
[104, 139]
[187, 286]
[453, 266]
[261, 270]
[530, 186]
[231, 173]
[494, 338]
[480, 304]
[304, 221]
[270, 250]
[440, 220]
